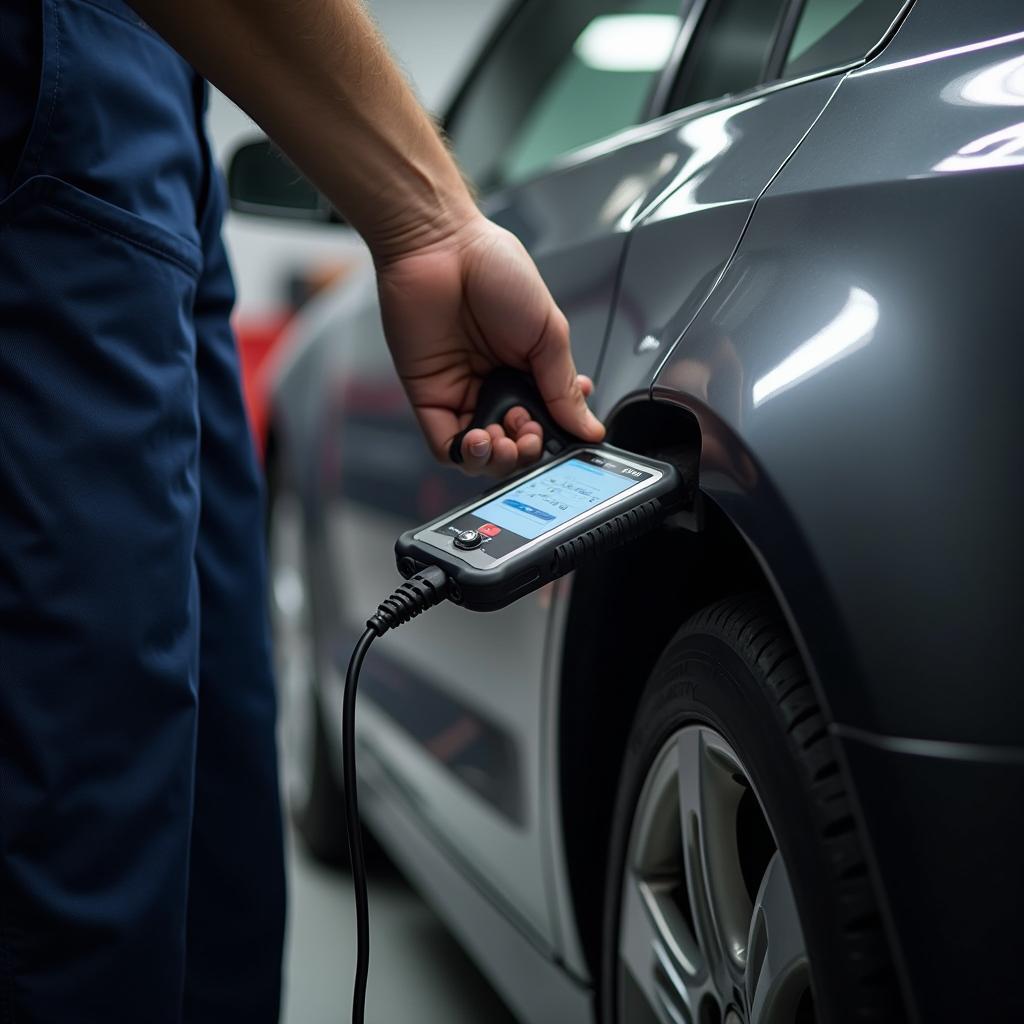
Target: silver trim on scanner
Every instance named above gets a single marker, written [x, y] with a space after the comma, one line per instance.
[431, 533]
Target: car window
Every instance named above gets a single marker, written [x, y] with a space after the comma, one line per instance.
[730, 50]
[830, 33]
[562, 75]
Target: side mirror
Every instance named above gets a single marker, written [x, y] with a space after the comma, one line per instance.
[263, 181]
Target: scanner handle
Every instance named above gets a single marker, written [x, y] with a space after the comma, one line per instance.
[503, 389]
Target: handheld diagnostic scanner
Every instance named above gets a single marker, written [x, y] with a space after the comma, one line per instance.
[495, 549]
[541, 524]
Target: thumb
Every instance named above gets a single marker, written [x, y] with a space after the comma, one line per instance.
[552, 366]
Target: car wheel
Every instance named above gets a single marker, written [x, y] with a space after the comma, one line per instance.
[738, 889]
[311, 789]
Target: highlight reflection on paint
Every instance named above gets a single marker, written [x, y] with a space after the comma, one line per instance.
[1004, 148]
[707, 138]
[928, 58]
[998, 85]
[851, 328]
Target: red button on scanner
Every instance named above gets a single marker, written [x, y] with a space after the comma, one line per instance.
[490, 530]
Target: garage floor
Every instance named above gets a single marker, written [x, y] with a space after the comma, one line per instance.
[417, 972]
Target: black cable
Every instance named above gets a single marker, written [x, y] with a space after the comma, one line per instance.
[355, 835]
[423, 591]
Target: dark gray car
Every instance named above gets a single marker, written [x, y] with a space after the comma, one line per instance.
[768, 767]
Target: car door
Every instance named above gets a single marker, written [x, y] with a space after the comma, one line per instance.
[739, 144]
[455, 718]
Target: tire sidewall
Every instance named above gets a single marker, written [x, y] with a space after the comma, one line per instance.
[701, 680]
[318, 812]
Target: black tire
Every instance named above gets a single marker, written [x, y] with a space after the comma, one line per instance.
[733, 667]
[320, 823]
[319, 815]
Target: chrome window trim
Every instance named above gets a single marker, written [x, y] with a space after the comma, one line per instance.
[657, 126]
[666, 121]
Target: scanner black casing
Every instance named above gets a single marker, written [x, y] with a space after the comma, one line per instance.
[551, 557]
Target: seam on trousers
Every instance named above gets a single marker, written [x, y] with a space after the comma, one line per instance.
[35, 159]
[138, 243]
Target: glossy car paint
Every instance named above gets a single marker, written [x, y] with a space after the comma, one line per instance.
[689, 227]
[863, 345]
[837, 311]
[574, 221]
[845, 314]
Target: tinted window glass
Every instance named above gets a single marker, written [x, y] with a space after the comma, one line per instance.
[730, 51]
[563, 75]
[834, 32]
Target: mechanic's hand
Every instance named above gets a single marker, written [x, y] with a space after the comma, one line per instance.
[457, 309]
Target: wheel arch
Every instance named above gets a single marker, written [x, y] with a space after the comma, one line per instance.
[677, 573]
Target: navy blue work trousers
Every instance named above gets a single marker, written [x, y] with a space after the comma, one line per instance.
[141, 862]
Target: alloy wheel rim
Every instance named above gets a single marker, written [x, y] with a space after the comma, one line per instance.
[294, 648]
[708, 925]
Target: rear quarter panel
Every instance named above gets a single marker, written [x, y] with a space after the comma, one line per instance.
[864, 348]
[857, 375]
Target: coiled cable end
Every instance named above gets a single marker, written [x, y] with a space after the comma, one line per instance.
[417, 594]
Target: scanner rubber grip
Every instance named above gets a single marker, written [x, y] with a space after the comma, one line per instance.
[503, 389]
[626, 526]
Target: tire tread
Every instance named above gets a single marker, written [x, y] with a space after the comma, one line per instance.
[742, 622]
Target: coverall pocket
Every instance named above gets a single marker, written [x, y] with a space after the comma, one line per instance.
[99, 475]
[117, 116]
[75, 204]
[99, 428]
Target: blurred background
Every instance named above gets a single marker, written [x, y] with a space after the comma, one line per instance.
[279, 265]
[491, 750]
[419, 973]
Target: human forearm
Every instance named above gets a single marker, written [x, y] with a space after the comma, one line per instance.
[317, 77]
[459, 296]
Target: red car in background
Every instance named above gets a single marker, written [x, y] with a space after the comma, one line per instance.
[263, 337]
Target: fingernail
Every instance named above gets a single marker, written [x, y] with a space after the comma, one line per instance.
[480, 448]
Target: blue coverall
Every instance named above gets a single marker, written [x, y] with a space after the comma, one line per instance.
[141, 863]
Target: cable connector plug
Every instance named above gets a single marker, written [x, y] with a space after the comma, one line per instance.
[416, 595]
